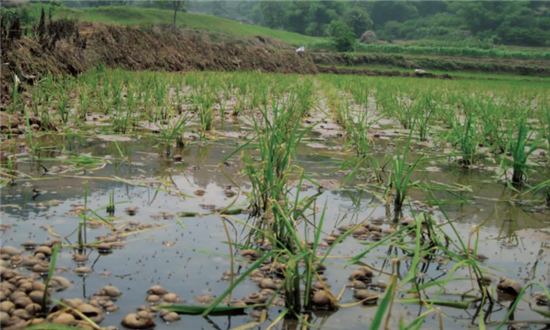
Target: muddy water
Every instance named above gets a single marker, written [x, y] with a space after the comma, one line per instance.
[189, 260]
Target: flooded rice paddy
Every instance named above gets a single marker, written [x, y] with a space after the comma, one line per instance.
[132, 213]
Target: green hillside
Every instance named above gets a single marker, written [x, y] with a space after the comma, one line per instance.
[143, 16]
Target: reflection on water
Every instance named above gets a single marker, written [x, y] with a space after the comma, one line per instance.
[189, 260]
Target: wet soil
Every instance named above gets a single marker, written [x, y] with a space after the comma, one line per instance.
[191, 258]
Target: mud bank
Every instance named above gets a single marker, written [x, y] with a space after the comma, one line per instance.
[158, 48]
[367, 72]
[508, 66]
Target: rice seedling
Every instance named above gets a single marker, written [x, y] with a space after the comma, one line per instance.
[172, 131]
[523, 142]
[277, 137]
[83, 103]
[111, 206]
[399, 180]
[51, 272]
[426, 108]
[204, 102]
[62, 105]
[464, 136]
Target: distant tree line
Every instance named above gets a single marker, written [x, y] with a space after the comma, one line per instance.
[525, 23]
[458, 23]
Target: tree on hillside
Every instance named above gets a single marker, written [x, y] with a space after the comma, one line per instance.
[272, 14]
[176, 5]
[342, 36]
[400, 11]
[359, 20]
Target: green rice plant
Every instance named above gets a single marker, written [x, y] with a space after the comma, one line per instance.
[121, 118]
[399, 180]
[31, 143]
[83, 103]
[62, 105]
[37, 96]
[426, 107]
[111, 206]
[357, 126]
[523, 142]
[492, 123]
[299, 260]
[172, 131]
[51, 272]
[464, 136]
[204, 102]
[160, 92]
[277, 137]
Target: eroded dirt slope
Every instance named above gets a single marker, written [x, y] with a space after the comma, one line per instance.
[159, 48]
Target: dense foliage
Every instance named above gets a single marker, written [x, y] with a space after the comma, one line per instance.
[479, 24]
[465, 23]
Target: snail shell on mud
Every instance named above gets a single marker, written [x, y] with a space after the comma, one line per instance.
[84, 325]
[16, 260]
[238, 303]
[205, 299]
[41, 267]
[80, 257]
[64, 319]
[131, 210]
[111, 309]
[359, 231]
[171, 298]
[257, 274]
[487, 278]
[171, 317]
[251, 254]
[60, 283]
[33, 308]
[29, 261]
[268, 283]
[7, 306]
[133, 321]
[22, 314]
[321, 299]
[111, 291]
[22, 302]
[146, 315]
[37, 296]
[330, 239]
[29, 245]
[4, 319]
[509, 286]
[104, 248]
[157, 290]
[9, 250]
[365, 294]
[407, 221]
[83, 270]
[361, 274]
[44, 250]
[153, 298]
[267, 292]
[254, 298]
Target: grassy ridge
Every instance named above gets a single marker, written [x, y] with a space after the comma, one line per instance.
[501, 53]
[133, 16]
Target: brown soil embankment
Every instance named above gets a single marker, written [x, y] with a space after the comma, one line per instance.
[159, 48]
[538, 68]
[368, 72]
